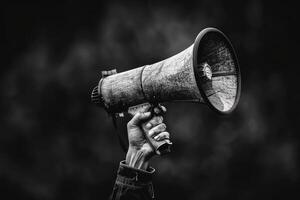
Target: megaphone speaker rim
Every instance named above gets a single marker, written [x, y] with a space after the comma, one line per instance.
[236, 64]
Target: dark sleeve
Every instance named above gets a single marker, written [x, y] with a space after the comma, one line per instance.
[133, 184]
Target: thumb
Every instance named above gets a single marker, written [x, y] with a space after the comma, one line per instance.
[138, 118]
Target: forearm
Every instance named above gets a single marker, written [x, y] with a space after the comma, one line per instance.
[137, 158]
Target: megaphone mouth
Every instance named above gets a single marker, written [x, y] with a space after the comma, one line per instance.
[217, 70]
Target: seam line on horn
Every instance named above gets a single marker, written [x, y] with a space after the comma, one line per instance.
[141, 80]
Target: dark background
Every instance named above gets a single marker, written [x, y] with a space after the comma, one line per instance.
[54, 144]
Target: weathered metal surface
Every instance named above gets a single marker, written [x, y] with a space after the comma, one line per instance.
[215, 75]
[170, 79]
[122, 90]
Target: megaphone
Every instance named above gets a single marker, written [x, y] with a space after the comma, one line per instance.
[207, 72]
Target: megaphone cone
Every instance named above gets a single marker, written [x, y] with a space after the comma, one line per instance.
[206, 72]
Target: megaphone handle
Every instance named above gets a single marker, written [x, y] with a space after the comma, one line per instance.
[160, 147]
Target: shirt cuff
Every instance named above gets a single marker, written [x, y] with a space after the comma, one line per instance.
[133, 176]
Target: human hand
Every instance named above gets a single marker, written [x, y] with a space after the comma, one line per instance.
[140, 151]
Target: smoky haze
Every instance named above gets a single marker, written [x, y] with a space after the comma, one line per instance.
[54, 144]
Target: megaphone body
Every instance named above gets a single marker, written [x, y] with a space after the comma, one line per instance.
[206, 72]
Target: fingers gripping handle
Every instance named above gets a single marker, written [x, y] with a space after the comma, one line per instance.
[160, 147]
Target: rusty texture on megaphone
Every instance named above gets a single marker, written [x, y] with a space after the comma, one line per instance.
[167, 80]
[172, 78]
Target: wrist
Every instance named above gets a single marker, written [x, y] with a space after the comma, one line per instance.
[137, 158]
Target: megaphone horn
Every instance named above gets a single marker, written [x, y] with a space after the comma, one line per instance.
[206, 72]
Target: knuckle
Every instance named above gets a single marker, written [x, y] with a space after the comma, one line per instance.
[151, 132]
[161, 119]
[152, 122]
[163, 126]
[154, 119]
[148, 125]
[157, 120]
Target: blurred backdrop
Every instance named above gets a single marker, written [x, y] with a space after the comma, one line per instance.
[54, 144]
